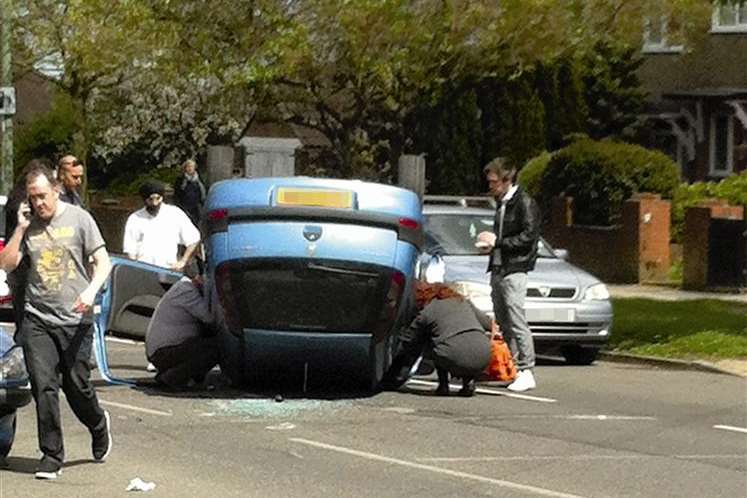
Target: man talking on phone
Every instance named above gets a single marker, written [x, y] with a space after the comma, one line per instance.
[57, 330]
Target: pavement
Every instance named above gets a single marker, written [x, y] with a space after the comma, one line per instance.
[668, 293]
[736, 366]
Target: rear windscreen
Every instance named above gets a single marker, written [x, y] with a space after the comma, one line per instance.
[308, 295]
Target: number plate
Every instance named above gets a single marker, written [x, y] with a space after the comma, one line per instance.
[551, 315]
[315, 197]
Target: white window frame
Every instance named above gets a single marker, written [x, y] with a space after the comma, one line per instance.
[712, 171]
[716, 27]
[662, 46]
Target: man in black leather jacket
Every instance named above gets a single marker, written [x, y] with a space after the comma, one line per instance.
[513, 252]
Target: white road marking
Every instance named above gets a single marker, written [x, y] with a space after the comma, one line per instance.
[122, 341]
[453, 473]
[483, 390]
[604, 417]
[135, 408]
[730, 428]
[575, 457]
[285, 426]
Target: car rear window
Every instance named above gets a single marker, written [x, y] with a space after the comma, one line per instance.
[328, 296]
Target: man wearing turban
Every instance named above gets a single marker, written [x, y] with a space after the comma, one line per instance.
[154, 232]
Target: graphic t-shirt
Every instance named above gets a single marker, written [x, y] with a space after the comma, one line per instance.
[58, 252]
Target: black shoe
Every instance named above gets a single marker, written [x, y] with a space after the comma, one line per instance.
[443, 382]
[101, 440]
[48, 469]
[468, 387]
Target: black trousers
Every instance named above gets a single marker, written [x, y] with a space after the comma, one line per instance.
[57, 356]
[192, 359]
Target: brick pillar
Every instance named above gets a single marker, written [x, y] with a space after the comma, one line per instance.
[645, 238]
[695, 247]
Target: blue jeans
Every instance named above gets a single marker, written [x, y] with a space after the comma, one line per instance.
[508, 293]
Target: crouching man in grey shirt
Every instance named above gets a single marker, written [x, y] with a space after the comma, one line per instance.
[180, 341]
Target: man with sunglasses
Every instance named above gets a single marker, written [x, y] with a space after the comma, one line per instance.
[513, 251]
[70, 175]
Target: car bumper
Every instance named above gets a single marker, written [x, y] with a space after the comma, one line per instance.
[293, 350]
[15, 397]
[587, 324]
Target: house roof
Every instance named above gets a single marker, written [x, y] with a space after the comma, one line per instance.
[708, 93]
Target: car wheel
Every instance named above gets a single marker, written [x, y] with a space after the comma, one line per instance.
[576, 355]
[7, 432]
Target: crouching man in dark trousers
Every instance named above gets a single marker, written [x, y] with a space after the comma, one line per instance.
[181, 341]
[448, 329]
[57, 240]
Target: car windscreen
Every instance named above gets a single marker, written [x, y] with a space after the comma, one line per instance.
[455, 234]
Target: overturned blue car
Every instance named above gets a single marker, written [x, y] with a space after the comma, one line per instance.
[310, 275]
[306, 278]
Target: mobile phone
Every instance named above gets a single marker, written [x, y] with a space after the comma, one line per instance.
[28, 209]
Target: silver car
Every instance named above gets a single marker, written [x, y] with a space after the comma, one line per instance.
[568, 309]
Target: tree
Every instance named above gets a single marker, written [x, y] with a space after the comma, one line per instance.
[174, 76]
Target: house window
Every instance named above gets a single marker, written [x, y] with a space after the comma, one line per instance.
[730, 17]
[655, 36]
[722, 145]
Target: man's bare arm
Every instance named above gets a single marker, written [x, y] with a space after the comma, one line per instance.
[186, 257]
[102, 266]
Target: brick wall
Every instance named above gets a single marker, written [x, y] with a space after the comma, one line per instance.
[111, 221]
[637, 250]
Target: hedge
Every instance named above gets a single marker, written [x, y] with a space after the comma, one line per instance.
[601, 175]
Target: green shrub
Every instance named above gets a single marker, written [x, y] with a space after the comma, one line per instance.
[530, 176]
[130, 184]
[732, 189]
[601, 175]
[47, 135]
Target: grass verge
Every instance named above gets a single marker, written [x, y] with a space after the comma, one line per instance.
[702, 329]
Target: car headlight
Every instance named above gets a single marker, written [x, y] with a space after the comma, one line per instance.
[597, 292]
[12, 366]
[478, 293]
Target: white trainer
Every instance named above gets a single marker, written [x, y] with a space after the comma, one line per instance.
[524, 381]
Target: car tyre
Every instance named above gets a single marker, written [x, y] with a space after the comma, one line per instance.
[576, 355]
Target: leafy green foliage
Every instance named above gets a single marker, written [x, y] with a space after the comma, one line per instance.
[166, 79]
[612, 89]
[48, 135]
[447, 134]
[530, 176]
[561, 90]
[513, 119]
[130, 183]
[732, 189]
[601, 175]
[704, 329]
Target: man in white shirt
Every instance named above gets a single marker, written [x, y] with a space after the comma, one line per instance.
[154, 232]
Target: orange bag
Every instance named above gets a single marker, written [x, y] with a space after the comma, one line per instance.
[501, 366]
